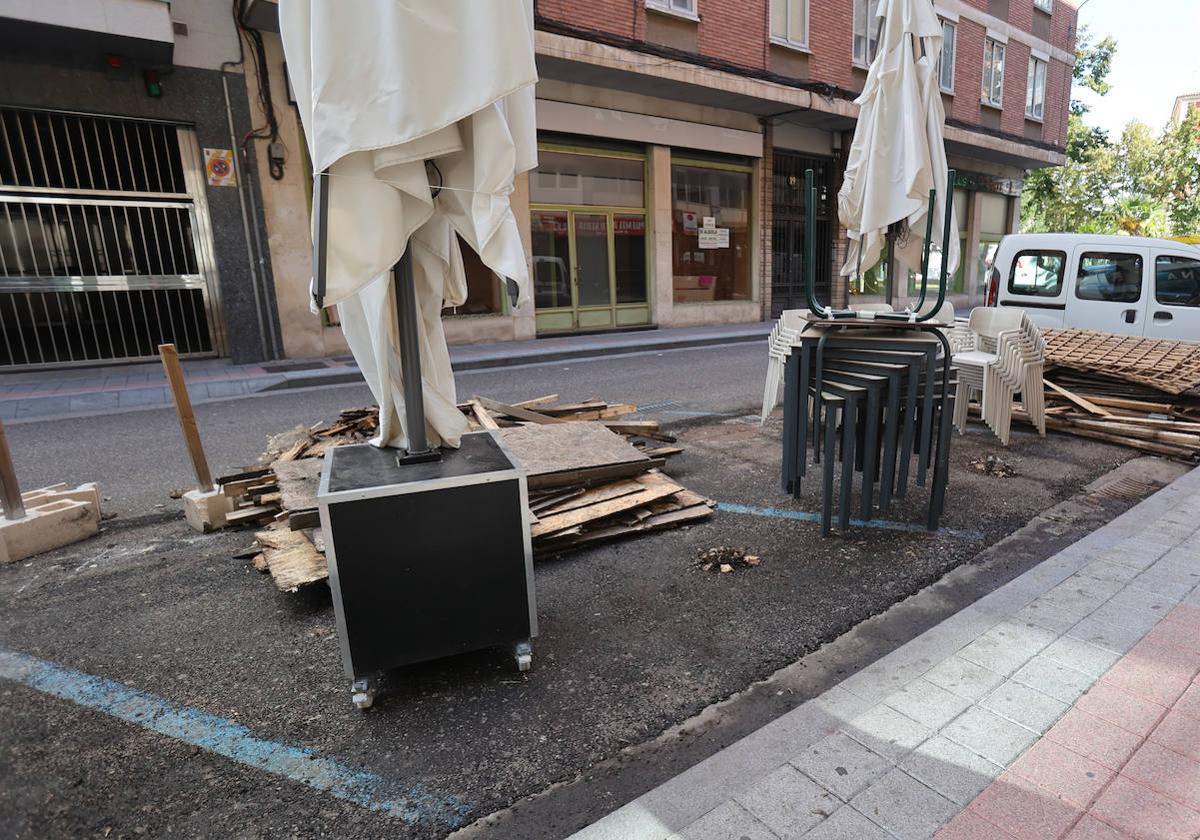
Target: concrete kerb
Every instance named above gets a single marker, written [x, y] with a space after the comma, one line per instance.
[731, 773]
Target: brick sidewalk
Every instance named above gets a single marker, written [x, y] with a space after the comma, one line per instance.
[1066, 704]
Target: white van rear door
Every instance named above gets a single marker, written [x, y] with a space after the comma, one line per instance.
[1175, 303]
[1109, 289]
[1036, 283]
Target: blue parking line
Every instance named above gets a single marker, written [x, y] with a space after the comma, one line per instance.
[411, 803]
[810, 516]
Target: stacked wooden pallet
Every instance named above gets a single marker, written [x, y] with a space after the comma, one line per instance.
[593, 476]
[1138, 392]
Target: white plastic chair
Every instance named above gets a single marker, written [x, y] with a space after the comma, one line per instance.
[779, 347]
[977, 364]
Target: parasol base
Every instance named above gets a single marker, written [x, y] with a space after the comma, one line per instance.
[407, 456]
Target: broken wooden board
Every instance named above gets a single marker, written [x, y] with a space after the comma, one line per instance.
[652, 486]
[298, 482]
[564, 447]
[291, 558]
[515, 412]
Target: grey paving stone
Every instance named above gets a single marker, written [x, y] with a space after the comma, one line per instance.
[728, 821]
[1081, 593]
[1047, 615]
[1049, 676]
[1127, 617]
[42, 406]
[1104, 570]
[156, 395]
[904, 807]
[788, 802]
[985, 733]
[1007, 647]
[1134, 598]
[1164, 582]
[847, 824]
[950, 769]
[1084, 656]
[1136, 554]
[886, 731]
[927, 704]
[841, 765]
[964, 678]
[1118, 638]
[1024, 705]
[234, 388]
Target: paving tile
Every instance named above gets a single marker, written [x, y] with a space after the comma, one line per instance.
[1113, 572]
[1024, 705]
[950, 769]
[1162, 584]
[1133, 599]
[987, 734]
[1166, 772]
[970, 826]
[728, 820]
[788, 802]
[1091, 659]
[1189, 703]
[964, 678]
[43, 406]
[927, 703]
[904, 807]
[1004, 652]
[1099, 740]
[1048, 616]
[886, 731]
[1129, 711]
[841, 764]
[1054, 678]
[1025, 810]
[1159, 673]
[1081, 593]
[1176, 634]
[143, 396]
[1090, 828]
[1139, 811]
[1178, 732]
[1136, 553]
[1062, 772]
[1118, 637]
[847, 824]
[1188, 615]
[1132, 619]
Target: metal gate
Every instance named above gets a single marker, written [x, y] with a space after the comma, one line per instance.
[105, 243]
[787, 234]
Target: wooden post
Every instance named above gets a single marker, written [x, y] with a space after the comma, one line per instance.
[187, 418]
[14, 506]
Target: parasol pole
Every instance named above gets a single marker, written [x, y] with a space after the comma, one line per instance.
[410, 363]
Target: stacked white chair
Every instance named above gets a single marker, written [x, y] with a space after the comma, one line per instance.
[998, 353]
[779, 347]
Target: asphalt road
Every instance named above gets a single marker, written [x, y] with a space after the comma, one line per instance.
[634, 639]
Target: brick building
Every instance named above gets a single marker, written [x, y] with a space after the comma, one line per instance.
[674, 136]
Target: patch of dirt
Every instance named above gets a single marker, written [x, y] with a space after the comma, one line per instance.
[993, 466]
[724, 559]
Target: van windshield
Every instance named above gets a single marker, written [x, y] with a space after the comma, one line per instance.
[1037, 273]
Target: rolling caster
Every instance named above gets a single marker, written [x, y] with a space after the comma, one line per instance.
[523, 654]
[362, 692]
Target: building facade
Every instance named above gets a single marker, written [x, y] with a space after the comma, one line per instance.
[155, 185]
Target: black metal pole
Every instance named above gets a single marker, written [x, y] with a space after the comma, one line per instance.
[320, 236]
[410, 361]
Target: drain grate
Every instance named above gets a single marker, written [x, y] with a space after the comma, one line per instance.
[1127, 487]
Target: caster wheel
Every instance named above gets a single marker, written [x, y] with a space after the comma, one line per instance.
[362, 693]
[523, 654]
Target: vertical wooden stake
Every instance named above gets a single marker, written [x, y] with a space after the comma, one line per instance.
[187, 418]
[14, 506]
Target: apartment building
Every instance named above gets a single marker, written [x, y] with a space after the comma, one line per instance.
[154, 184]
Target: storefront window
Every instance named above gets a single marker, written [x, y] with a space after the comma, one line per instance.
[551, 259]
[955, 286]
[629, 248]
[710, 242]
[576, 179]
[993, 224]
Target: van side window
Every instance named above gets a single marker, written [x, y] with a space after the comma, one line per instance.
[1109, 276]
[1177, 280]
[1037, 273]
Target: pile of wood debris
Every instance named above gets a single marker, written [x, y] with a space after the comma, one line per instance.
[1138, 392]
[592, 476]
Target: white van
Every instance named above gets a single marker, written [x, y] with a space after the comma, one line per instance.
[1130, 285]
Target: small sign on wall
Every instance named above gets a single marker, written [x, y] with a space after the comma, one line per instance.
[714, 237]
[218, 165]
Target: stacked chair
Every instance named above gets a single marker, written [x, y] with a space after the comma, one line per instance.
[870, 391]
[999, 353]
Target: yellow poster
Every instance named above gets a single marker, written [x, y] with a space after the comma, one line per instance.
[218, 164]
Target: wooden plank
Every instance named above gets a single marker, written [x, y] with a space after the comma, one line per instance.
[187, 417]
[1135, 405]
[517, 413]
[254, 513]
[298, 519]
[663, 451]
[655, 522]
[585, 497]
[591, 476]
[586, 406]
[298, 482]
[292, 559]
[552, 499]
[244, 475]
[653, 486]
[294, 451]
[632, 427]
[1090, 408]
[536, 401]
[481, 416]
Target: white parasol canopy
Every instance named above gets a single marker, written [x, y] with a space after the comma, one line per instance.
[899, 152]
[383, 86]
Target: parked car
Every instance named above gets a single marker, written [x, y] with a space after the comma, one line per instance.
[1129, 285]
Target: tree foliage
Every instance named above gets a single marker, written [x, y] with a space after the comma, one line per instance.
[1142, 184]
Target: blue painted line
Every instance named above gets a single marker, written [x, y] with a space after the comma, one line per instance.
[411, 803]
[810, 516]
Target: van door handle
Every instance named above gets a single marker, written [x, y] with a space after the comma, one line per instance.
[1163, 316]
[1130, 315]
